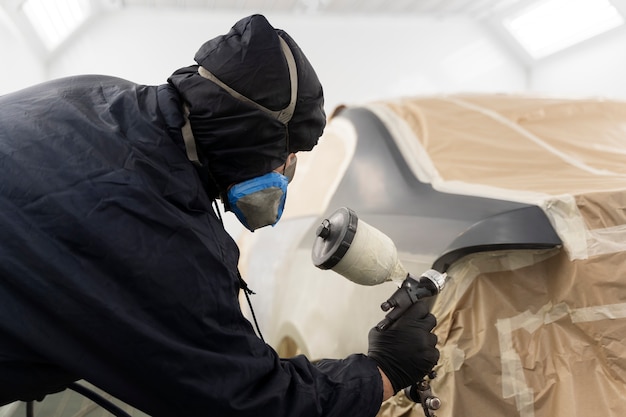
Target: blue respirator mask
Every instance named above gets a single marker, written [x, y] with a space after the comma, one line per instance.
[260, 201]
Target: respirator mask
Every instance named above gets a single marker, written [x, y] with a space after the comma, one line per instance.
[260, 201]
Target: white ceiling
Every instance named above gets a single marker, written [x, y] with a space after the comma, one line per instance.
[473, 8]
[12, 14]
[487, 12]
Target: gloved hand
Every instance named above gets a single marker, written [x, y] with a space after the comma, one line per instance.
[406, 350]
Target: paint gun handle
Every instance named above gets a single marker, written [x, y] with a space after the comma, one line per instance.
[411, 290]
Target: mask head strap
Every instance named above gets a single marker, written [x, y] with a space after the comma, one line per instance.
[290, 167]
[284, 115]
[190, 142]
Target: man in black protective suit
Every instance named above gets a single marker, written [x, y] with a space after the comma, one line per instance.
[114, 266]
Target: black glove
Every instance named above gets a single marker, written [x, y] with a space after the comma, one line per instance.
[406, 350]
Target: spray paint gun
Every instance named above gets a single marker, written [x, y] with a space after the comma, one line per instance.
[366, 256]
[411, 291]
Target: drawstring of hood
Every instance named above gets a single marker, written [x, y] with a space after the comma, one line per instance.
[243, 285]
[284, 115]
[248, 292]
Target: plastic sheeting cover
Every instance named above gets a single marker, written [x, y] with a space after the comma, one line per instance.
[528, 334]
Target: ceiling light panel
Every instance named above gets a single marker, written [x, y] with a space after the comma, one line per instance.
[55, 20]
[549, 26]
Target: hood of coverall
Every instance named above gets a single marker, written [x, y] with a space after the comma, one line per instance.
[236, 140]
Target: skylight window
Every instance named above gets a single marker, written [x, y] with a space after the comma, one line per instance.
[549, 26]
[55, 20]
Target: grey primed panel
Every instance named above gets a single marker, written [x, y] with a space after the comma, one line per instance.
[379, 186]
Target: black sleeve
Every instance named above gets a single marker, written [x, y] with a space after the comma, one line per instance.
[153, 318]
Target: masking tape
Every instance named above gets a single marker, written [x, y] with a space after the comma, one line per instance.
[409, 145]
[606, 241]
[605, 312]
[513, 380]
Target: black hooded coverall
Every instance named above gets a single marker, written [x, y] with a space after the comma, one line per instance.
[115, 269]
